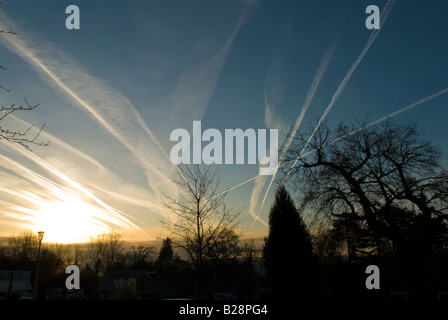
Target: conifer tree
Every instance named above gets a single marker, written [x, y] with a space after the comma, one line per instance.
[288, 251]
[166, 252]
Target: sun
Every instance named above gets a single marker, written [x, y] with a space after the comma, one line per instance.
[70, 220]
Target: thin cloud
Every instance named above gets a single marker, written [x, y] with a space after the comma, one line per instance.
[112, 110]
[196, 84]
[385, 13]
[117, 116]
[52, 188]
[100, 182]
[382, 119]
[260, 181]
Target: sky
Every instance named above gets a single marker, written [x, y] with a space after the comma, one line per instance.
[111, 92]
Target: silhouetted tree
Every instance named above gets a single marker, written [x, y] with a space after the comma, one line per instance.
[21, 252]
[141, 256]
[52, 271]
[23, 247]
[68, 253]
[168, 260]
[225, 249]
[288, 251]
[166, 252]
[381, 180]
[105, 250]
[201, 218]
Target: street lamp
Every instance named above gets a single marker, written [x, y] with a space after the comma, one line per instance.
[40, 236]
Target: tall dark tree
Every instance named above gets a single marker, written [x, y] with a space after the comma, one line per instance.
[288, 251]
[166, 252]
[168, 260]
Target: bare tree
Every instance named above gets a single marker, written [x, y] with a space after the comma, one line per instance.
[204, 227]
[387, 179]
[95, 250]
[64, 252]
[23, 247]
[105, 250]
[70, 253]
[114, 249]
[141, 254]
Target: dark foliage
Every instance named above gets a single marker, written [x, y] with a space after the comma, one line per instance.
[288, 252]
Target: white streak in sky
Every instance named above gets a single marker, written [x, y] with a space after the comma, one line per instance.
[310, 95]
[196, 85]
[335, 97]
[389, 116]
[384, 14]
[115, 113]
[54, 188]
[393, 114]
[101, 178]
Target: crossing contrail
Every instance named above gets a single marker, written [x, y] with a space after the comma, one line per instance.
[374, 34]
[386, 117]
[106, 113]
[310, 95]
[386, 11]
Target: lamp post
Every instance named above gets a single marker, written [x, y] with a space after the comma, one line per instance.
[40, 236]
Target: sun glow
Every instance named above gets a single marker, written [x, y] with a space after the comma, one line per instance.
[70, 220]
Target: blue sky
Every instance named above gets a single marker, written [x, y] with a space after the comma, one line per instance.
[111, 92]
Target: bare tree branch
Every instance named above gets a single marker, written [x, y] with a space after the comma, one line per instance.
[23, 138]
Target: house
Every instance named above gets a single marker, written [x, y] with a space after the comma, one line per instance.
[107, 285]
[426, 280]
[237, 281]
[169, 285]
[14, 282]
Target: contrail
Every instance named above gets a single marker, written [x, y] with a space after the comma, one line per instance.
[387, 9]
[375, 32]
[88, 92]
[390, 115]
[100, 168]
[259, 183]
[109, 105]
[51, 186]
[409, 107]
[82, 93]
[310, 95]
[127, 193]
[393, 114]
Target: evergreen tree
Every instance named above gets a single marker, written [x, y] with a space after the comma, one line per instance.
[288, 251]
[166, 252]
[167, 260]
